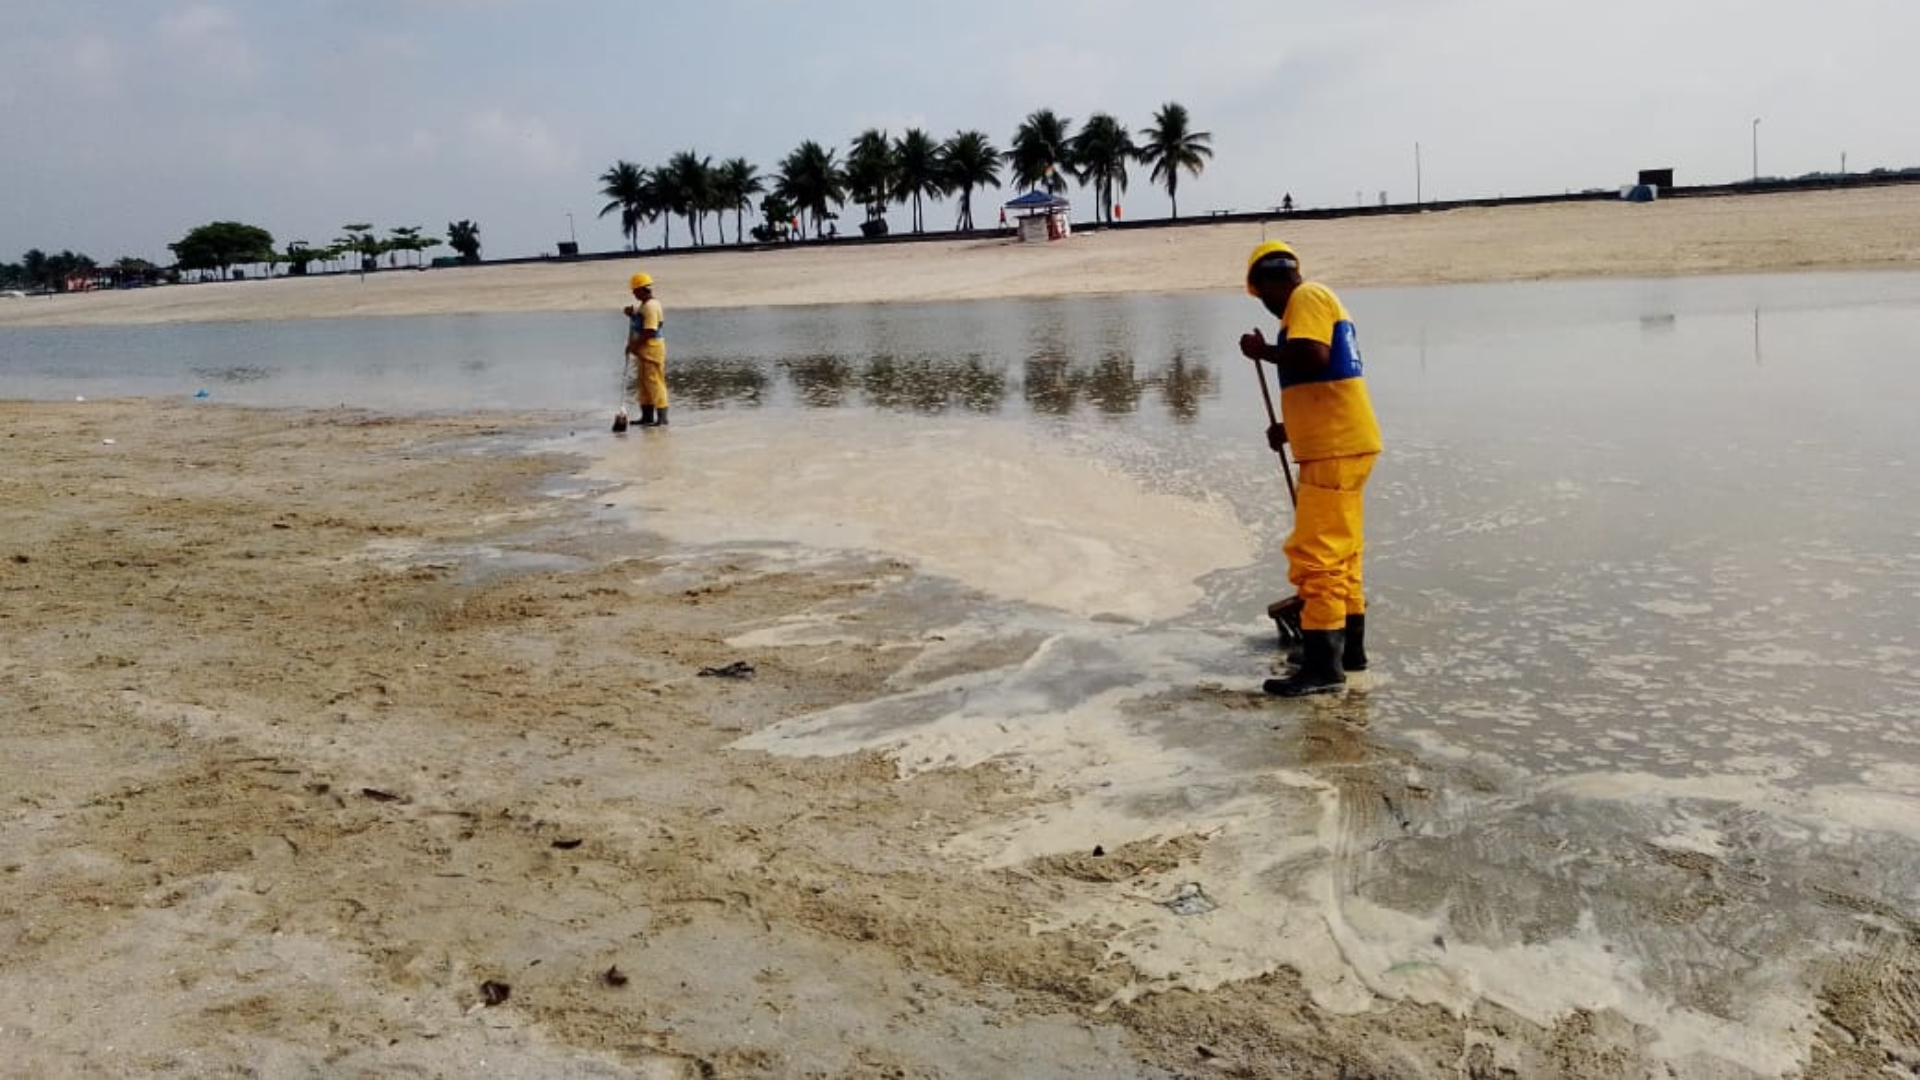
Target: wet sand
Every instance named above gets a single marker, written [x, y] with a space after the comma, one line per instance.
[352, 744]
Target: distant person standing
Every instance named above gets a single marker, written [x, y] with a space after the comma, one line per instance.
[1286, 203]
[1328, 417]
[647, 346]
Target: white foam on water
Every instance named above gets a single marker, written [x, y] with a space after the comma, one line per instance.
[1276, 861]
[988, 503]
[1835, 812]
[1052, 717]
[1673, 608]
[1004, 512]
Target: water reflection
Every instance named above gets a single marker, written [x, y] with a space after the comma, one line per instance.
[822, 382]
[712, 384]
[1052, 384]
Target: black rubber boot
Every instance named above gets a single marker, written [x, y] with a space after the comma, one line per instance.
[646, 416]
[660, 417]
[1354, 656]
[1319, 671]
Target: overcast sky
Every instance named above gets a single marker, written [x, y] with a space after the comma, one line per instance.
[124, 124]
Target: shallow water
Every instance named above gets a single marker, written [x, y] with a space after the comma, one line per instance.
[1644, 724]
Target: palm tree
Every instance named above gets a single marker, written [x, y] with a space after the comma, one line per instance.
[736, 182]
[408, 238]
[1100, 154]
[919, 159]
[463, 236]
[812, 181]
[360, 241]
[687, 180]
[968, 161]
[1170, 148]
[872, 172]
[1040, 156]
[626, 188]
[33, 266]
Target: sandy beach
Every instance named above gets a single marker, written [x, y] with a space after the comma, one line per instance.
[344, 744]
[1857, 229]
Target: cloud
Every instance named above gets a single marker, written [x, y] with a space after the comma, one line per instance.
[210, 41]
[197, 22]
[523, 144]
[95, 67]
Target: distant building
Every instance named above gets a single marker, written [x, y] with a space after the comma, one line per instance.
[1659, 178]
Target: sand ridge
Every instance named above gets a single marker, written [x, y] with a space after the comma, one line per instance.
[1860, 228]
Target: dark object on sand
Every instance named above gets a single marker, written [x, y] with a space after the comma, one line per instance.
[620, 421]
[493, 992]
[1286, 622]
[739, 669]
[613, 976]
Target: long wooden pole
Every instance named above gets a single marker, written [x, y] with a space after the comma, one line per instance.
[1273, 418]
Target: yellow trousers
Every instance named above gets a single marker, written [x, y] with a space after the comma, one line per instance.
[652, 371]
[1323, 553]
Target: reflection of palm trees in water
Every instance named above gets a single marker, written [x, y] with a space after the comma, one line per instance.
[822, 381]
[1051, 382]
[1183, 385]
[932, 385]
[711, 382]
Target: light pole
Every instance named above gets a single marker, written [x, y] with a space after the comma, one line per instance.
[1756, 149]
[1416, 174]
[570, 233]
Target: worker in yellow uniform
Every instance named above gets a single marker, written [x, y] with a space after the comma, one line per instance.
[648, 348]
[1327, 417]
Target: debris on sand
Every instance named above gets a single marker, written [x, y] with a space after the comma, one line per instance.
[1190, 900]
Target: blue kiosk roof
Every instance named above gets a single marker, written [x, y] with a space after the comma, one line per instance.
[1038, 200]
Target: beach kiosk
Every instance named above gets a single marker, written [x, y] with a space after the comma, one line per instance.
[1040, 215]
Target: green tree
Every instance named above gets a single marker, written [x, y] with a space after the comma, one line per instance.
[872, 172]
[1040, 156]
[967, 161]
[919, 176]
[359, 241]
[221, 245]
[1101, 152]
[1171, 147]
[33, 269]
[776, 212]
[811, 180]
[408, 238]
[735, 183]
[463, 236]
[60, 270]
[299, 255]
[687, 181]
[628, 190]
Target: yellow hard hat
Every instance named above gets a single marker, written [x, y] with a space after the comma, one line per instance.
[641, 280]
[1267, 250]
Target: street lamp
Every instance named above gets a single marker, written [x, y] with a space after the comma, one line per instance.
[576, 240]
[1756, 149]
